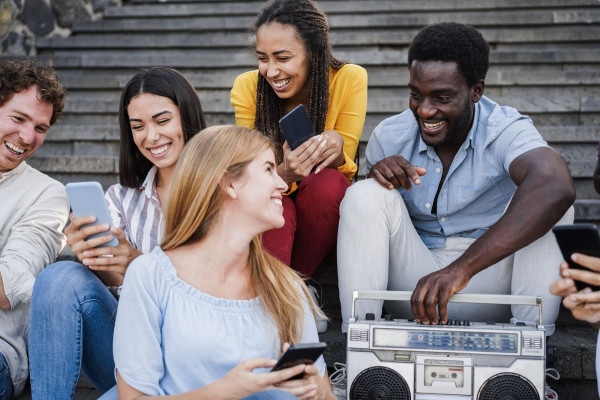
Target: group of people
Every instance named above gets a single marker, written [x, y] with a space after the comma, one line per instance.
[219, 228]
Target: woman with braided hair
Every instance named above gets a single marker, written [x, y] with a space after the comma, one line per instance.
[296, 66]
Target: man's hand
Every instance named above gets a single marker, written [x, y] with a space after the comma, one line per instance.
[394, 172]
[434, 291]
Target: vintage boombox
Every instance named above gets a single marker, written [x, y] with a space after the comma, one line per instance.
[401, 360]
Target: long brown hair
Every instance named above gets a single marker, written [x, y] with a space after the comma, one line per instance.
[195, 199]
[312, 28]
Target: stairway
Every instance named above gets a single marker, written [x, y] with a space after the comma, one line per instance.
[545, 61]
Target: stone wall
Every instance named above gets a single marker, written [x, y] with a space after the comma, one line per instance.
[21, 21]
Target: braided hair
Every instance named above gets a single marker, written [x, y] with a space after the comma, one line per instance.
[311, 26]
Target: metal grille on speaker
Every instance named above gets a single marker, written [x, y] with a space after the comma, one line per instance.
[379, 383]
[508, 387]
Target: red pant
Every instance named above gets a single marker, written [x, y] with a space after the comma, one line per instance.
[311, 222]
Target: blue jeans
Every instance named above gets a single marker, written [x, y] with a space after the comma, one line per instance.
[5, 381]
[266, 395]
[71, 328]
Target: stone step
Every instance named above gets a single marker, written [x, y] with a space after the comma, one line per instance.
[143, 8]
[384, 20]
[386, 77]
[64, 132]
[226, 58]
[170, 36]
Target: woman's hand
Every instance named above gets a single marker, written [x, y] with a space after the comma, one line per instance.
[333, 154]
[241, 381]
[112, 259]
[584, 305]
[299, 163]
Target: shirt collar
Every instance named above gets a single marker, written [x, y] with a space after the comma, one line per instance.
[149, 185]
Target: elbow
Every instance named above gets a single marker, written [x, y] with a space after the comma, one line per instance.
[4, 304]
[564, 196]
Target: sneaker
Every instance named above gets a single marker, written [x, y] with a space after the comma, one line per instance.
[549, 393]
[320, 319]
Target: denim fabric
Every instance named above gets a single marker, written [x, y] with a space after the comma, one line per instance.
[71, 328]
[5, 381]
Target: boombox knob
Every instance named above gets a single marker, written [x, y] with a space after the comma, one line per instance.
[370, 316]
[389, 317]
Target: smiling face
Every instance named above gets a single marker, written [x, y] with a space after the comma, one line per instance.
[259, 192]
[442, 102]
[155, 123]
[282, 61]
[24, 120]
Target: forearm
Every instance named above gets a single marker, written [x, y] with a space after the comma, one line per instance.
[534, 209]
[4, 303]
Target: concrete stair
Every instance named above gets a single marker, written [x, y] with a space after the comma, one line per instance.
[544, 61]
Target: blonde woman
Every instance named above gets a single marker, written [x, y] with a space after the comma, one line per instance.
[200, 316]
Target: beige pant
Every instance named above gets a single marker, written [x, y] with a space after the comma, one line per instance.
[379, 249]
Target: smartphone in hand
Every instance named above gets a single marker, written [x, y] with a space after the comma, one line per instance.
[87, 198]
[296, 127]
[578, 238]
[303, 353]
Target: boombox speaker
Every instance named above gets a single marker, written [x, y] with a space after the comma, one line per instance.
[397, 359]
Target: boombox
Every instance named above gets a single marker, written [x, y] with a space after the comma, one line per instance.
[398, 359]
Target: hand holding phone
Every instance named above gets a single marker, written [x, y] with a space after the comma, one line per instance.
[578, 238]
[296, 127]
[303, 353]
[87, 198]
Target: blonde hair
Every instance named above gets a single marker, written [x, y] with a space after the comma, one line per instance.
[195, 199]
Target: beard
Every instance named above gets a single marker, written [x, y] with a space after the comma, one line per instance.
[456, 130]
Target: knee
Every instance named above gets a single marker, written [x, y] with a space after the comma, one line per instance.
[59, 279]
[366, 197]
[326, 187]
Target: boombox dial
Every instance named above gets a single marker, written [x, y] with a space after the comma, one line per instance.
[379, 383]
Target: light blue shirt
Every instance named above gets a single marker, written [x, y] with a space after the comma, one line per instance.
[171, 338]
[478, 186]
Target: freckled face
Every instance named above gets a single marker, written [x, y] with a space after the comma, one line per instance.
[155, 123]
[24, 120]
[442, 102]
[282, 61]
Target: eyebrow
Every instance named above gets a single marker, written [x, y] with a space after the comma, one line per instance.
[270, 163]
[27, 117]
[274, 53]
[435, 91]
[154, 116]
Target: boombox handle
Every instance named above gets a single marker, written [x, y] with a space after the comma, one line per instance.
[457, 298]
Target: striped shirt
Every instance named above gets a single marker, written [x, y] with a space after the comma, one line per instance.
[137, 212]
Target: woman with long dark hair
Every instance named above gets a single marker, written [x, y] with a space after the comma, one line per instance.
[74, 304]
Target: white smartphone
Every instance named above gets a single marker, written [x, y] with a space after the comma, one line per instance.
[87, 198]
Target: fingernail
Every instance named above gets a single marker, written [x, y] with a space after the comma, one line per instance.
[587, 290]
[566, 273]
[319, 138]
[569, 281]
[86, 253]
[85, 261]
[573, 257]
[417, 181]
[317, 170]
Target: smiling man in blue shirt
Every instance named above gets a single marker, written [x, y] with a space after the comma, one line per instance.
[462, 197]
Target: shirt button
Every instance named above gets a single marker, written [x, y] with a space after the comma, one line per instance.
[438, 170]
[427, 205]
[443, 219]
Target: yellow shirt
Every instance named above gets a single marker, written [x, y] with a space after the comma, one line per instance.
[345, 115]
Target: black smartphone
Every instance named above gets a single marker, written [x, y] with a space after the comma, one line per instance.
[303, 353]
[296, 127]
[578, 238]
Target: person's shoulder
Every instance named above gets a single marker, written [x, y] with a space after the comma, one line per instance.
[493, 114]
[350, 73]
[43, 182]
[247, 79]
[146, 267]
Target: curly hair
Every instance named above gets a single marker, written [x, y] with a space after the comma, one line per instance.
[312, 28]
[449, 41]
[16, 76]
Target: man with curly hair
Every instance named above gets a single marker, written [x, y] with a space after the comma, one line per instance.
[462, 195]
[34, 206]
